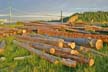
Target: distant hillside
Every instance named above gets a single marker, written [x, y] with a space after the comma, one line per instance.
[88, 17]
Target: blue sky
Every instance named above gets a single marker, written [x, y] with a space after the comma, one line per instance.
[54, 6]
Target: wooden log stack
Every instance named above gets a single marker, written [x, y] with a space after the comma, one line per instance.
[47, 40]
[46, 56]
[87, 42]
[81, 44]
[57, 45]
[5, 32]
[52, 49]
[104, 38]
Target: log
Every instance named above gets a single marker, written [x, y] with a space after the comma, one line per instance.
[51, 49]
[87, 42]
[69, 44]
[64, 52]
[65, 44]
[96, 28]
[2, 46]
[24, 31]
[68, 62]
[103, 32]
[104, 38]
[50, 58]
[46, 25]
[16, 58]
[48, 40]
[78, 58]
[54, 42]
[86, 50]
[79, 31]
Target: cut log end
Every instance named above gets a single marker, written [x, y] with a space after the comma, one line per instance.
[72, 45]
[24, 31]
[1, 51]
[81, 48]
[56, 62]
[52, 50]
[99, 44]
[14, 33]
[91, 62]
[60, 43]
[74, 52]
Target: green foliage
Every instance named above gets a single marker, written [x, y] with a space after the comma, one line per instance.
[92, 17]
[18, 24]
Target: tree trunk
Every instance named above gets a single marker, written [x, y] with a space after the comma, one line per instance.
[86, 50]
[54, 42]
[48, 40]
[52, 49]
[78, 58]
[65, 44]
[92, 43]
[65, 52]
[78, 31]
[104, 38]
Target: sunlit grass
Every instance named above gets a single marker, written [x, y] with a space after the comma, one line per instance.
[11, 25]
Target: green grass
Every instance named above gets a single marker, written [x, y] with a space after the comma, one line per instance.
[36, 64]
[11, 25]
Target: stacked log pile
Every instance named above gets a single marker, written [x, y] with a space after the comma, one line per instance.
[68, 51]
[52, 41]
[72, 35]
[5, 31]
[56, 44]
[46, 56]
[68, 31]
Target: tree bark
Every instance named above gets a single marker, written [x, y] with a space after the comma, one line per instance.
[65, 44]
[66, 53]
[86, 42]
[48, 40]
[50, 58]
[52, 49]
[86, 50]
[51, 41]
